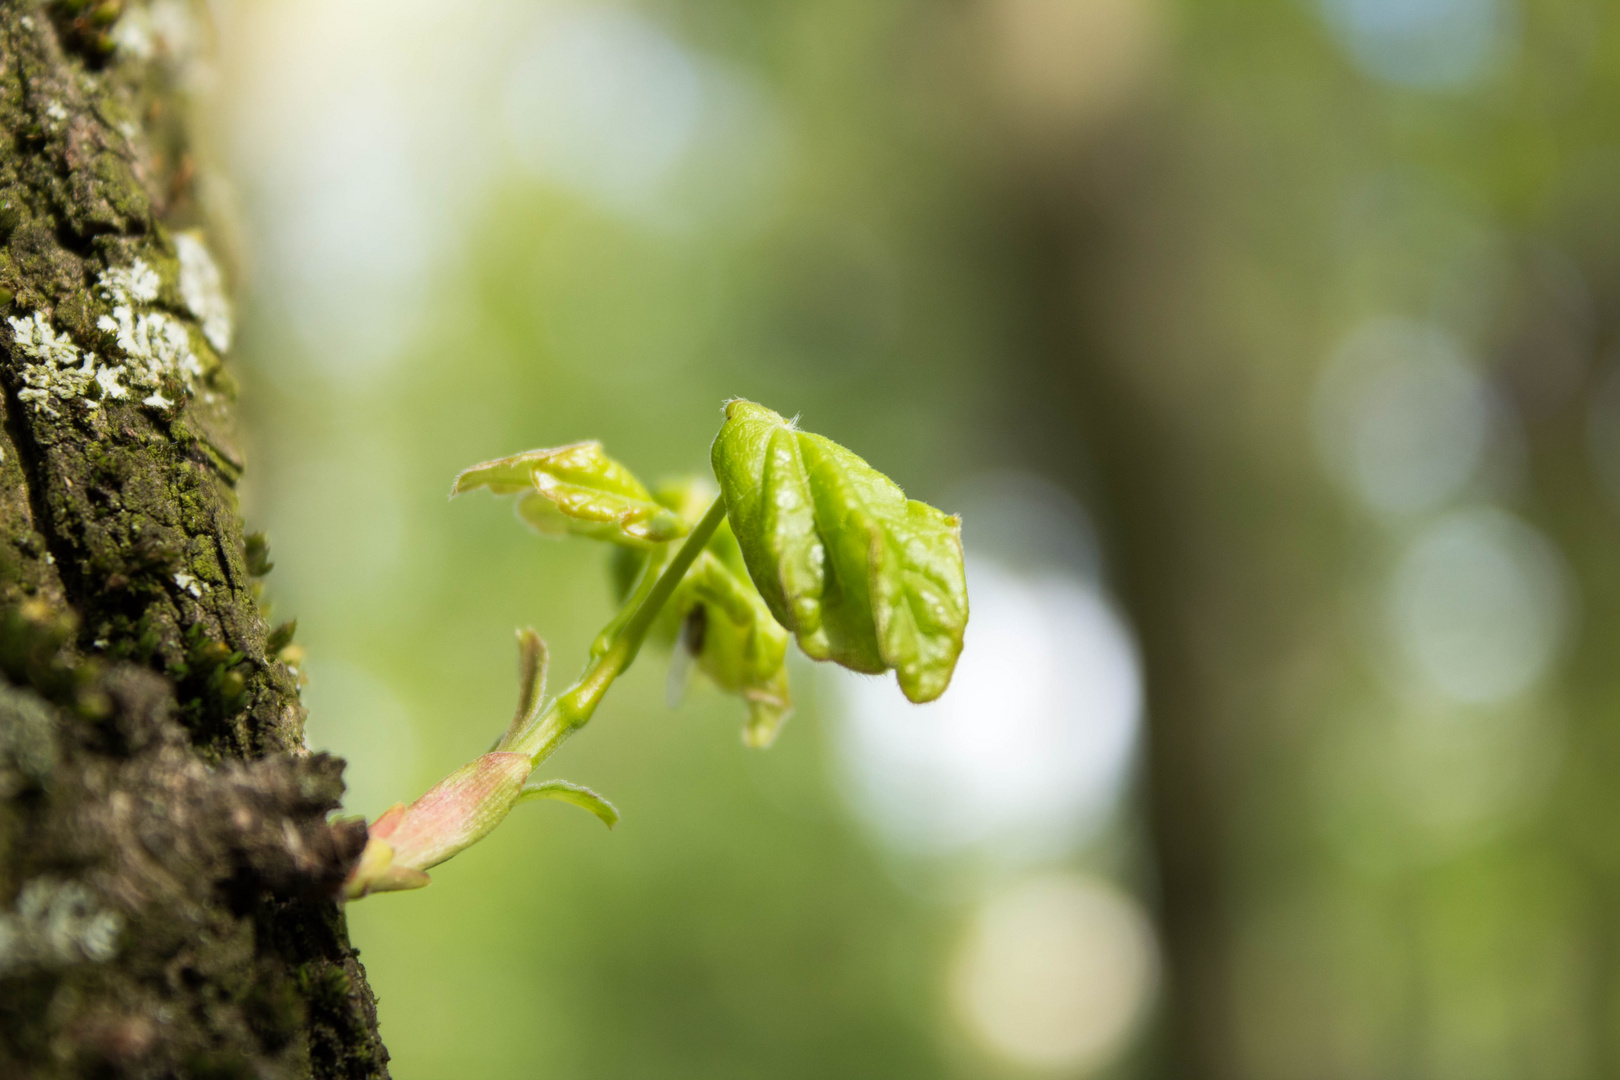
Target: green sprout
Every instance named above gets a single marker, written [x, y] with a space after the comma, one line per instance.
[803, 538]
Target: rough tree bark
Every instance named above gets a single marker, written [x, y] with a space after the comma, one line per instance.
[165, 857]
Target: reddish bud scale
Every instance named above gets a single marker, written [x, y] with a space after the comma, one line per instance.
[453, 814]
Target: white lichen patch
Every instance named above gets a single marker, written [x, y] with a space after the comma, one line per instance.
[56, 112]
[191, 584]
[60, 372]
[139, 284]
[203, 289]
[155, 350]
[107, 379]
[56, 923]
[156, 346]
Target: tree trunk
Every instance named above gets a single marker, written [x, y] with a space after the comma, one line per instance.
[166, 866]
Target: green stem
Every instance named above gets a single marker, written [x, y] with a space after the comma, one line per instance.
[638, 595]
[571, 709]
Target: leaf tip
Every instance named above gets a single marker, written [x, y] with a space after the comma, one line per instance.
[924, 684]
[581, 796]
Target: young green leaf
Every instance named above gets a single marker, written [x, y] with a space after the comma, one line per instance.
[582, 797]
[531, 684]
[736, 642]
[862, 575]
[768, 709]
[718, 617]
[577, 490]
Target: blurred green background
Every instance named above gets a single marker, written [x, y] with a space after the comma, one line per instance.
[1267, 348]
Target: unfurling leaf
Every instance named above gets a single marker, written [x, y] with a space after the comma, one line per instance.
[531, 685]
[717, 618]
[735, 640]
[859, 573]
[582, 797]
[577, 490]
[768, 709]
[688, 497]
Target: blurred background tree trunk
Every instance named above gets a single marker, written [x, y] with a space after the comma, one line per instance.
[1157, 477]
[166, 866]
[1374, 856]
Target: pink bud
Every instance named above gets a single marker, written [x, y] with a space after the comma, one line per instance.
[452, 815]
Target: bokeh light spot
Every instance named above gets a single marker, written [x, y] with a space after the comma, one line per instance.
[1479, 605]
[1028, 749]
[606, 105]
[1066, 64]
[1423, 44]
[1056, 972]
[1025, 756]
[1402, 416]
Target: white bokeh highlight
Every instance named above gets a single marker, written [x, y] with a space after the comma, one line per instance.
[359, 131]
[1423, 44]
[373, 137]
[1479, 605]
[1027, 752]
[606, 105]
[1401, 416]
[1056, 973]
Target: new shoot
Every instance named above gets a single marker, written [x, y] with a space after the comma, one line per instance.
[803, 538]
